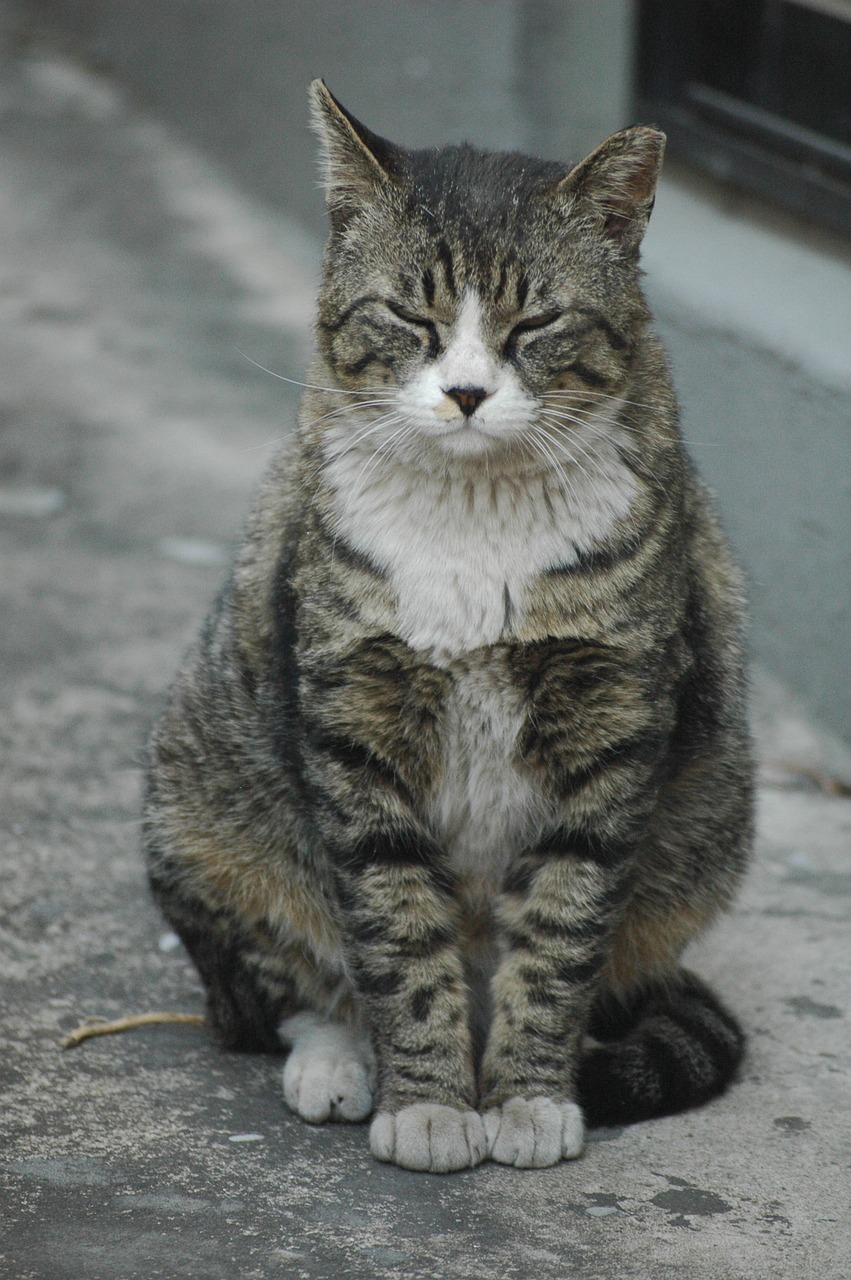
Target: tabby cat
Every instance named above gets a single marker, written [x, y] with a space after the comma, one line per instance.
[458, 765]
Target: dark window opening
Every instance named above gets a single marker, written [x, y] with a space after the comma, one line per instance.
[755, 92]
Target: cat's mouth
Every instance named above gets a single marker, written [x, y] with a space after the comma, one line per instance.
[465, 436]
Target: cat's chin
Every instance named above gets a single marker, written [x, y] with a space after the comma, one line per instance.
[468, 442]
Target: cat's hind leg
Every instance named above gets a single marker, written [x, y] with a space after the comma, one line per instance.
[245, 1001]
[330, 1073]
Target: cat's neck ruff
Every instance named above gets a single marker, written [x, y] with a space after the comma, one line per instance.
[463, 546]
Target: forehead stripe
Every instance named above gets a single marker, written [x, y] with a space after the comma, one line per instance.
[445, 259]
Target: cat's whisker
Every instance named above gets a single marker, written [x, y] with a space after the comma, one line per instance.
[552, 466]
[375, 424]
[591, 412]
[584, 448]
[350, 410]
[267, 444]
[604, 428]
[332, 413]
[626, 447]
[385, 420]
[591, 457]
[366, 430]
[568, 477]
[581, 418]
[588, 394]
[375, 457]
[310, 386]
[542, 445]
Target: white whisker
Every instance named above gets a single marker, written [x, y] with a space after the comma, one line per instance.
[604, 428]
[584, 448]
[375, 458]
[310, 386]
[587, 394]
[543, 446]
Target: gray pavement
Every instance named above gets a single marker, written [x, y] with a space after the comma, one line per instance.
[131, 277]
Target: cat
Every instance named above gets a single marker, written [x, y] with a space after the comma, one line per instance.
[459, 764]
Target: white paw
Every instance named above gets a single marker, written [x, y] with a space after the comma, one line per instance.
[330, 1073]
[429, 1137]
[531, 1133]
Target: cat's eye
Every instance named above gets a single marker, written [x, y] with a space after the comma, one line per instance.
[531, 324]
[420, 322]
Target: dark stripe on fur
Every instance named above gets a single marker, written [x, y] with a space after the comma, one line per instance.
[594, 379]
[584, 845]
[333, 326]
[358, 366]
[354, 756]
[502, 281]
[381, 848]
[284, 666]
[596, 561]
[597, 321]
[444, 257]
[353, 558]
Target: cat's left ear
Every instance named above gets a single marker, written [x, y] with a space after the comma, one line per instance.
[356, 161]
[616, 185]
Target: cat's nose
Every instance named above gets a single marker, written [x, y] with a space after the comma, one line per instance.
[467, 399]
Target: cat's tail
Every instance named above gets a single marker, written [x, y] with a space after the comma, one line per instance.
[669, 1046]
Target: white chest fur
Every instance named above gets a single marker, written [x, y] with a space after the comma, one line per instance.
[487, 806]
[461, 552]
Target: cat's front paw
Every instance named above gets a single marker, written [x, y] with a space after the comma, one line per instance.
[531, 1133]
[429, 1137]
[330, 1073]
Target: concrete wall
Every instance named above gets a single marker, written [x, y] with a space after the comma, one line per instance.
[232, 74]
[756, 309]
[756, 313]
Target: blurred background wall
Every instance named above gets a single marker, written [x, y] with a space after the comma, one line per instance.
[233, 74]
[754, 303]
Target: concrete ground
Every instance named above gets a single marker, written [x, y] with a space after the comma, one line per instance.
[131, 278]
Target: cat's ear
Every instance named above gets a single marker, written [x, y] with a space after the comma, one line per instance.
[356, 162]
[615, 186]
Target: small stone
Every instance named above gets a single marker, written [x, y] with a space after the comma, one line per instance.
[193, 551]
[246, 1137]
[31, 500]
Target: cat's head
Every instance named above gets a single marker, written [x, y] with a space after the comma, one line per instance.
[482, 302]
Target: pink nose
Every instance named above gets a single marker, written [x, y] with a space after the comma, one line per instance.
[467, 399]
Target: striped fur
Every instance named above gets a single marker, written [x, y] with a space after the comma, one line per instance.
[459, 765]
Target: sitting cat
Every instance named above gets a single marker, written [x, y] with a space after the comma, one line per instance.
[458, 765]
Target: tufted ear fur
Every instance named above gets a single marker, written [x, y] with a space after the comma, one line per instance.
[616, 184]
[355, 161]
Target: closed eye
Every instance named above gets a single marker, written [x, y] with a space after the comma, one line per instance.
[531, 324]
[421, 322]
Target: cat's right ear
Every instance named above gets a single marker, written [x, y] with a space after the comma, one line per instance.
[355, 162]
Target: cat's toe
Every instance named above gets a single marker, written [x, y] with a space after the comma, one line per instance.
[320, 1089]
[352, 1090]
[531, 1133]
[429, 1138]
[330, 1072]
